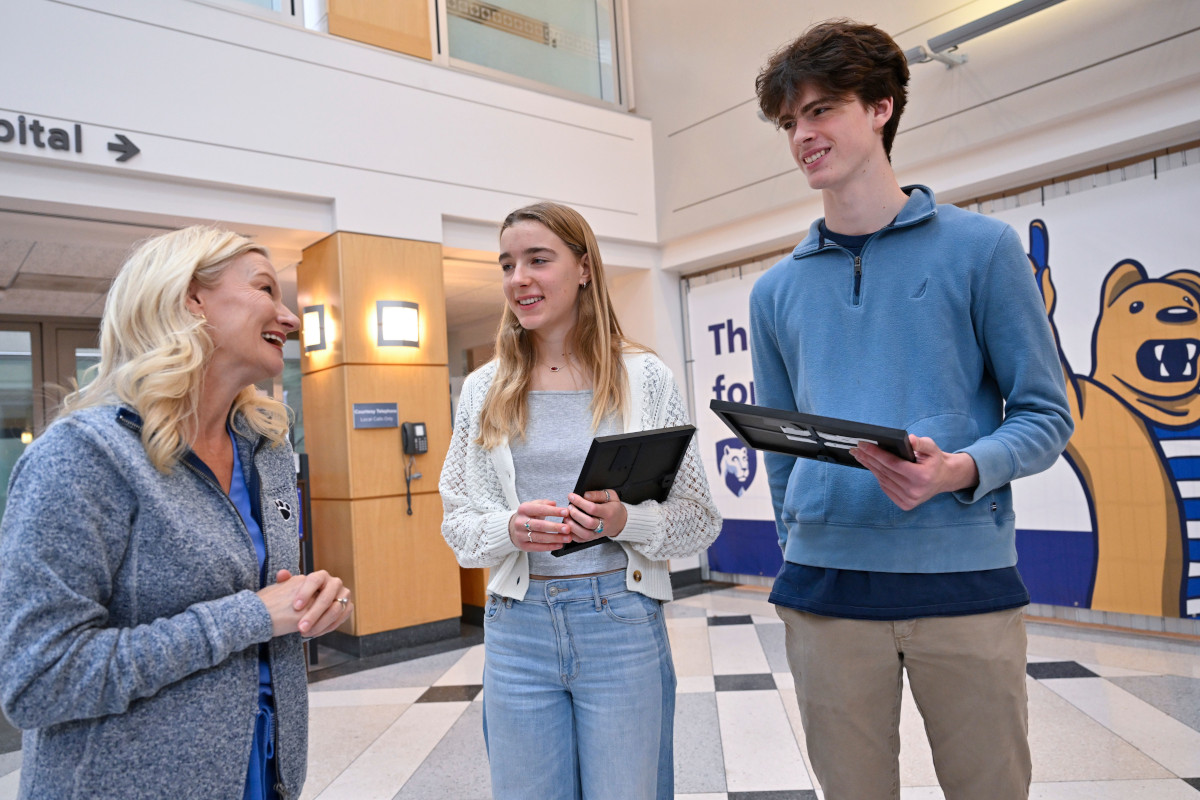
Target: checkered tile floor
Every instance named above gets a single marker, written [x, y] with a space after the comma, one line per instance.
[1112, 715]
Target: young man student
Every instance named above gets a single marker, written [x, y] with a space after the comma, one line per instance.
[900, 312]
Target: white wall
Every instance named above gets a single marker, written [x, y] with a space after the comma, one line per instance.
[255, 121]
[310, 130]
[1073, 86]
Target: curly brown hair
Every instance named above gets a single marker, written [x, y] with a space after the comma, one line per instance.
[843, 58]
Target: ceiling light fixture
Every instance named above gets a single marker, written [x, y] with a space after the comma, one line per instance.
[939, 47]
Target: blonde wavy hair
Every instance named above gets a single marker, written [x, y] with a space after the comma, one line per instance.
[596, 340]
[153, 350]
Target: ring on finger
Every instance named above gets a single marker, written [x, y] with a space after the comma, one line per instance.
[345, 601]
[527, 528]
[600, 527]
[530, 535]
[606, 498]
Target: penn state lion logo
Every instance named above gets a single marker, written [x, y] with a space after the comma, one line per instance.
[738, 463]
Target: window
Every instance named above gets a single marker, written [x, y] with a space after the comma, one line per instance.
[569, 44]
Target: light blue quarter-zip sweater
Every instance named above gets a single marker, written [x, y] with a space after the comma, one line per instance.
[937, 328]
[129, 624]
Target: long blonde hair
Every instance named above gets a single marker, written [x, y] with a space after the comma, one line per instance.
[153, 350]
[596, 339]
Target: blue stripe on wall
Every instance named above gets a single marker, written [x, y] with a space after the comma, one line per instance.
[1057, 566]
[1191, 509]
[1185, 468]
[1189, 432]
[746, 547]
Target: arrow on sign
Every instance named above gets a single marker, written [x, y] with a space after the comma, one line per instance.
[126, 148]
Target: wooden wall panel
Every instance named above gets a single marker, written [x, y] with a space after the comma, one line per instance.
[422, 394]
[377, 268]
[401, 571]
[473, 583]
[318, 281]
[406, 573]
[400, 25]
[333, 547]
[326, 408]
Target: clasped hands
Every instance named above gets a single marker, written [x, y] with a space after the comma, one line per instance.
[305, 604]
[586, 517]
[907, 483]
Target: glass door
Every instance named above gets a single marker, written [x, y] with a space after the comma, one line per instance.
[21, 412]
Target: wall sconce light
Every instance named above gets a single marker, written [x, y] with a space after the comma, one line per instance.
[398, 322]
[26, 437]
[314, 328]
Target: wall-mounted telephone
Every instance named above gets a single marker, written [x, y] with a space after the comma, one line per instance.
[414, 442]
[413, 438]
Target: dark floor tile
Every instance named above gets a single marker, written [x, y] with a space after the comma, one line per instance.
[731, 619]
[1043, 670]
[694, 589]
[10, 737]
[470, 636]
[791, 794]
[450, 694]
[1193, 782]
[744, 683]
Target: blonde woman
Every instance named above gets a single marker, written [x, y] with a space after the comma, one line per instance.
[579, 688]
[150, 644]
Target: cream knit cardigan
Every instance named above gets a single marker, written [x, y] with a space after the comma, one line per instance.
[479, 493]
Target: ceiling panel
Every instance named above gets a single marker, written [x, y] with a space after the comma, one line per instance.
[32, 302]
[12, 255]
[81, 261]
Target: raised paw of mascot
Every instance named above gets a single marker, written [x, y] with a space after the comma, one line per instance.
[1136, 446]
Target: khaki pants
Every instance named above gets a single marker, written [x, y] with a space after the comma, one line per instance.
[967, 675]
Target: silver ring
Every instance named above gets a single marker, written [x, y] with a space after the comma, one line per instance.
[530, 535]
[345, 601]
[606, 498]
[527, 525]
[600, 527]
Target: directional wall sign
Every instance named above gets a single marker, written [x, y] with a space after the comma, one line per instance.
[27, 131]
[126, 148]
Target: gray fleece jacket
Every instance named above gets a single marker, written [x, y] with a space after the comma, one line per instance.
[129, 627]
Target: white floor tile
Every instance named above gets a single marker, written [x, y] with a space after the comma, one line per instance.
[691, 684]
[761, 754]
[1068, 745]
[788, 698]
[716, 796]
[690, 649]
[1158, 735]
[468, 671]
[729, 603]
[9, 785]
[916, 759]
[380, 772]
[366, 697]
[338, 735]
[1144, 659]
[736, 650]
[1106, 671]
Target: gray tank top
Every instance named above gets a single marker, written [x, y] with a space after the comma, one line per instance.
[547, 463]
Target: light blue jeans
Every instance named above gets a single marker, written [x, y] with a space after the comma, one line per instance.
[578, 693]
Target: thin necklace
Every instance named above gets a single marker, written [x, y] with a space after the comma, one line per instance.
[564, 355]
